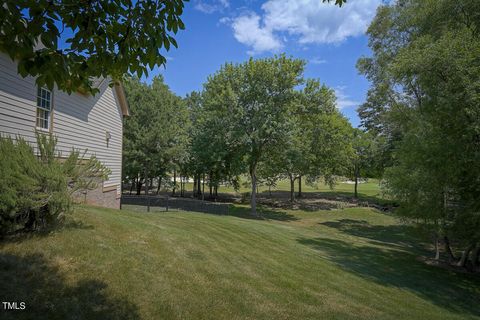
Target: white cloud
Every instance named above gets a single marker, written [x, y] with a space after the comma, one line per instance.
[211, 6]
[343, 100]
[317, 61]
[308, 21]
[225, 20]
[247, 30]
[225, 3]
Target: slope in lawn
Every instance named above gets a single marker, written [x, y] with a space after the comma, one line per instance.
[337, 264]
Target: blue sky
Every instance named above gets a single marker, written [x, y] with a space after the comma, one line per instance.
[329, 38]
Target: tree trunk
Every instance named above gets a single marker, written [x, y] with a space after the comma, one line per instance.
[253, 199]
[194, 189]
[199, 190]
[181, 186]
[463, 260]
[475, 256]
[210, 185]
[146, 182]
[203, 187]
[174, 182]
[292, 188]
[437, 248]
[184, 186]
[356, 183]
[131, 186]
[139, 186]
[159, 184]
[448, 250]
[299, 187]
[270, 191]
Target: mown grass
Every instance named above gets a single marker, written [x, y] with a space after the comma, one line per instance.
[354, 263]
[367, 191]
[368, 188]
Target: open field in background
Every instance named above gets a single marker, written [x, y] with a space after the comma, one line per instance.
[370, 188]
[354, 263]
[368, 191]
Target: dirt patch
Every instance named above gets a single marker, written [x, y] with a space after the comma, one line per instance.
[447, 266]
[306, 204]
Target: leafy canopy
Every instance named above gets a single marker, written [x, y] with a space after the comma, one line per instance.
[424, 101]
[70, 41]
[155, 136]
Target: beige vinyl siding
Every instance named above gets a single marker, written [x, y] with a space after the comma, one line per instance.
[17, 102]
[79, 121]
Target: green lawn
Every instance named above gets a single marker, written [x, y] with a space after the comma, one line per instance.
[354, 263]
[369, 190]
[370, 187]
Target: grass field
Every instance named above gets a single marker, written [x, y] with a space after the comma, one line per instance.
[368, 191]
[354, 263]
[369, 188]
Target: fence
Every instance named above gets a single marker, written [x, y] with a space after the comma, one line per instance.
[165, 203]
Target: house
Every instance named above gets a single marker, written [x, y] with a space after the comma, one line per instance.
[80, 121]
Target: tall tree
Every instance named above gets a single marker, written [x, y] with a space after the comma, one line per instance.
[252, 101]
[365, 160]
[212, 157]
[301, 155]
[425, 75]
[156, 135]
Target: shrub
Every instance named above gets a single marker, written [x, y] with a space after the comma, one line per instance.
[36, 190]
[245, 197]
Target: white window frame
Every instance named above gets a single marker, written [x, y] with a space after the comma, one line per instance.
[43, 116]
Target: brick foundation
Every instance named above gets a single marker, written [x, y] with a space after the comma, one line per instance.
[99, 197]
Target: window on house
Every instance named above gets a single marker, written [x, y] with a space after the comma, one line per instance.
[44, 107]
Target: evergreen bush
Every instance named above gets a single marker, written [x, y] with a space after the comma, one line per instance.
[36, 189]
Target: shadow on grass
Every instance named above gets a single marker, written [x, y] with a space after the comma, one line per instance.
[316, 204]
[322, 200]
[455, 292]
[76, 224]
[161, 203]
[32, 234]
[399, 236]
[266, 213]
[139, 203]
[46, 294]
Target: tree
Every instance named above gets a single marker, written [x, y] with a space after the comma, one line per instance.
[68, 42]
[302, 155]
[156, 135]
[138, 142]
[324, 132]
[331, 147]
[425, 75]
[365, 163]
[252, 102]
[212, 158]
[193, 102]
[337, 2]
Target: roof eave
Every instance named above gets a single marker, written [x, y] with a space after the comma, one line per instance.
[122, 99]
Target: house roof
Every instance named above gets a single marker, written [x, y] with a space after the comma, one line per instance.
[120, 92]
[122, 99]
[97, 82]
